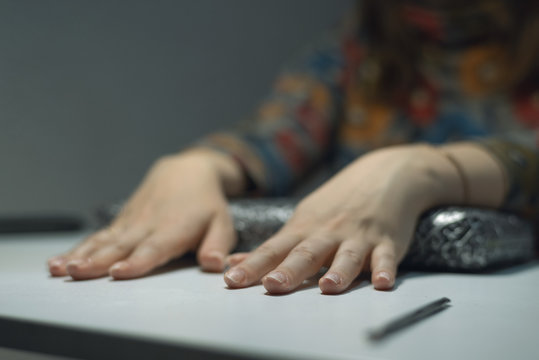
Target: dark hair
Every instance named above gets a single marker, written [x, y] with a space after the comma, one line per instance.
[395, 47]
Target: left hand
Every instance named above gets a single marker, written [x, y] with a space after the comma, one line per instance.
[364, 217]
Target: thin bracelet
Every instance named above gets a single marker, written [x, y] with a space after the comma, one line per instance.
[462, 175]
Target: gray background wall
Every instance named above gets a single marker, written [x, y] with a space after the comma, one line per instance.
[91, 92]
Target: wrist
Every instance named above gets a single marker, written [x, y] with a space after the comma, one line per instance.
[485, 181]
[458, 174]
[413, 178]
[435, 178]
[224, 167]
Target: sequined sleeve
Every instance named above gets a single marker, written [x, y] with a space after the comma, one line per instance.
[294, 127]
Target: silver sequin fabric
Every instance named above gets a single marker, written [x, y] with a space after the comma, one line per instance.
[446, 239]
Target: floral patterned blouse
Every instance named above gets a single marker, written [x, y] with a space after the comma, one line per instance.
[316, 115]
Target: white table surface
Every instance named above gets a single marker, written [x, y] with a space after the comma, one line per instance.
[492, 316]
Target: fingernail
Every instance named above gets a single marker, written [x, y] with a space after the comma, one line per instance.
[278, 276]
[334, 278]
[385, 275]
[56, 262]
[119, 266]
[215, 260]
[74, 265]
[236, 276]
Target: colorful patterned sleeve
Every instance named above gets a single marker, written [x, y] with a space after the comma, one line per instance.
[294, 128]
[519, 157]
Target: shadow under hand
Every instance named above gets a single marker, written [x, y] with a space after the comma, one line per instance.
[182, 263]
[513, 269]
[360, 282]
[305, 285]
[185, 262]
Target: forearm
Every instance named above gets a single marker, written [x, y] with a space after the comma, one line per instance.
[459, 173]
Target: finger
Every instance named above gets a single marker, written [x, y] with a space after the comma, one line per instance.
[217, 244]
[235, 259]
[58, 264]
[266, 257]
[384, 266]
[159, 248]
[97, 263]
[95, 241]
[304, 260]
[346, 266]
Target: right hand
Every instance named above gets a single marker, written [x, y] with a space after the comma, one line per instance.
[179, 207]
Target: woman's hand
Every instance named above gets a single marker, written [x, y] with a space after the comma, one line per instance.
[180, 206]
[363, 218]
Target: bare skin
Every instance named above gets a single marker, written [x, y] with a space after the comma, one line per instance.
[179, 207]
[362, 219]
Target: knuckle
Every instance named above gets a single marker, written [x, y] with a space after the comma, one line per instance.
[306, 254]
[136, 234]
[337, 222]
[154, 248]
[99, 238]
[143, 215]
[376, 226]
[353, 257]
[268, 253]
[385, 260]
[122, 247]
[388, 257]
[106, 235]
[367, 223]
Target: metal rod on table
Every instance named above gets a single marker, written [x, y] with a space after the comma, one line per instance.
[409, 319]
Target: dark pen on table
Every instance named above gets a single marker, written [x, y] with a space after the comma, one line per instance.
[408, 319]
